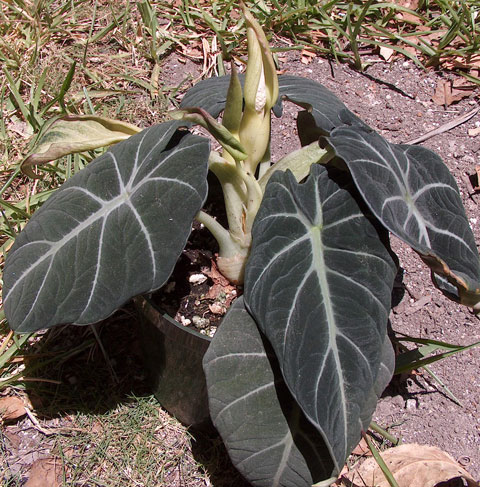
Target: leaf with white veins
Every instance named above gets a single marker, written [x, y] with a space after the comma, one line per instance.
[413, 194]
[267, 436]
[112, 231]
[318, 283]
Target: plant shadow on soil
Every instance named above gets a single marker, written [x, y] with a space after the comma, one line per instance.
[76, 376]
[69, 374]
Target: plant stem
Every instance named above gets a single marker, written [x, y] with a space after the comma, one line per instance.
[378, 429]
[221, 234]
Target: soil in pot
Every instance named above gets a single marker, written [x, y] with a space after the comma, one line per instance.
[179, 320]
[197, 295]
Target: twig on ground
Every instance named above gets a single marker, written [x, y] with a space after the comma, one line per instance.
[446, 127]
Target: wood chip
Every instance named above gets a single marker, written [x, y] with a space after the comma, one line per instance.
[11, 408]
[448, 92]
[418, 305]
[387, 53]
[307, 56]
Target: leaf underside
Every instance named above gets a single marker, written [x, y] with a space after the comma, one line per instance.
[76, 133]
[267, 436]
[412, 193]
[318, 283]
[114, 230]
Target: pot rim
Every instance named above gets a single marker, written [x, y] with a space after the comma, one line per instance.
[149, 301]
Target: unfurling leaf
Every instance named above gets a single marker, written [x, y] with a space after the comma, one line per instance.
[76, 133]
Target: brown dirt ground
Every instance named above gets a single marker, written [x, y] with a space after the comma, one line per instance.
[395, 99]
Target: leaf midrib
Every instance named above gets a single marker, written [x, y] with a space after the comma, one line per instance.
[318, 258]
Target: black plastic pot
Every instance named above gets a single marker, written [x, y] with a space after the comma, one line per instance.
[173, 358]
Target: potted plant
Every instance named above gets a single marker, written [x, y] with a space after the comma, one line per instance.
[299, 361]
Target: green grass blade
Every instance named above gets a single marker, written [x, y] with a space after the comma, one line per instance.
[442, 385]
[380, 462]
[415, 364]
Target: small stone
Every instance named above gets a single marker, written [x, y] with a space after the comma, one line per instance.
[411, 404]
[185, 321]
[197, 279]
[200, 322]
[397, 400]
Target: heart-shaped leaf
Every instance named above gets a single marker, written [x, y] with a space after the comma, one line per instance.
[114, 230]
[267, 436]
[412, 193]
[209, 94]
[318, 283]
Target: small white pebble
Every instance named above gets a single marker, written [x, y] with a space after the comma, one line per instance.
[185, 321]
[197, 278]
[473, 221]
[200, 322]
[411, 404]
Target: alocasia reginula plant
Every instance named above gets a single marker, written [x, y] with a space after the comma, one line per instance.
[296, 367]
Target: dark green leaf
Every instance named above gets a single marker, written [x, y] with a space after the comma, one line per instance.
[386, 369]
[113, 231]
[318, 283]
[323, 106]
[267, 436]
[325, 109]
[412, 193]
[209, 94]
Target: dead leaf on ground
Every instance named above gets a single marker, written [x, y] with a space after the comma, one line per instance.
[11, 408]
[362, 449]
[407, 16]
[307, 56]
[387, 53]
[412, 465]
[474, 132]
[46, 472]
[448, 92]
[471, 61]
